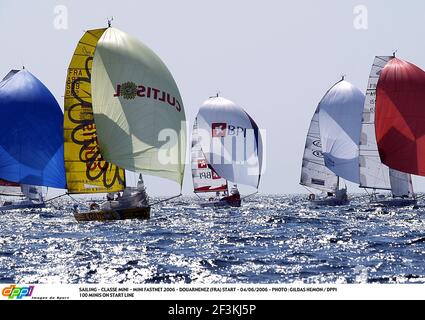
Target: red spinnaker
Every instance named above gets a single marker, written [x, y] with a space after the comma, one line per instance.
[400, 117]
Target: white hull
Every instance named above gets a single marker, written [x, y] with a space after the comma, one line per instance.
[395, 203]
[220, 204]
[331, 202]
[25, 204]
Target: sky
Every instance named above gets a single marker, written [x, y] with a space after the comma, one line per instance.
[274, 58]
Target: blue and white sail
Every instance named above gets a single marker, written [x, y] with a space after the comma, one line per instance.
[340, 119]
[31, 132]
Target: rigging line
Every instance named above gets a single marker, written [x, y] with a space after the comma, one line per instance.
[56, 197]
[72, 198]
[249, 195]
[307, 189]
[161, 201]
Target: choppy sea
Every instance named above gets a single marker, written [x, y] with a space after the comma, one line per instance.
[270, 239]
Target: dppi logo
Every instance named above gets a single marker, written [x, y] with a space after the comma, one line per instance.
[317, 143]
[129, 91]
[318, 154]
[220, 130]
[17, 292]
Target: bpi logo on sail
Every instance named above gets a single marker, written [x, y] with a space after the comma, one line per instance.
[13, 292]
[220, 130]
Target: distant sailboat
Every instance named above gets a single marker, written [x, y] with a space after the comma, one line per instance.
[205, 179]
[123, 95]
[373, 173]
[31, 142]
[226, 146]
[331, 150]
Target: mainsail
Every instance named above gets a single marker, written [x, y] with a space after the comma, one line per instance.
[314, 173]
[400, 117]
[31, 140]
[230, 141]
[373, 173]
[340, 114]
[137, 107]
[205, 179]
[86, 170]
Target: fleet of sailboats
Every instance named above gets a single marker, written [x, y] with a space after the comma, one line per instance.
[124, 115]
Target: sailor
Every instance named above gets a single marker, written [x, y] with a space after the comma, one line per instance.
[110, 196]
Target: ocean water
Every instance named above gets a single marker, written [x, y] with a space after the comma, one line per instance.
[270, 239]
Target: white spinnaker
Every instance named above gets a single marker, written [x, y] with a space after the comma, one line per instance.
[314, 173]
[204, 178]
[373, 173]
[138, 109]
[231, 141]
[340, 118]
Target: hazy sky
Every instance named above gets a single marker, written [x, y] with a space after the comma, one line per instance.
[274, 58]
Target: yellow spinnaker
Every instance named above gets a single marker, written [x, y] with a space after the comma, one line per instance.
[86, 170]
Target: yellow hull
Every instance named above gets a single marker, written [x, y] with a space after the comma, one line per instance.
[120, 214]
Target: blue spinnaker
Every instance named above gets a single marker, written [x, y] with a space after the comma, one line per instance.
[31, 132]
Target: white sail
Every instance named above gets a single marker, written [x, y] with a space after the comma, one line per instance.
[205, 179]
[231, 141]
[137, 107]
[340, 119]
[401, 184]
[314, 173]
[33, 193]
[373, 173]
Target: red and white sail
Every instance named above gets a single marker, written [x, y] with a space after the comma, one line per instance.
[8, 188]
[205, 179]
[373, 173]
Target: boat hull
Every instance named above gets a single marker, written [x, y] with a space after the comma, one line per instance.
[221, 204]
[394, 203]
[331, 202]
[23, 206]
[118, 214]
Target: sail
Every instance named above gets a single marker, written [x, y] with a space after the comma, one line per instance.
[8, 188]
[401, 184]
[32, 192]
[137, 107]
[400, 114]
[373, 173]
[86, 170]
[205, 179]
[230, 141]
[314, 173]
[31, 140]
[340, 119]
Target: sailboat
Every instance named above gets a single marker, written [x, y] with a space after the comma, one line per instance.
[123, 111]
[206, 180]
[331, 150]
[374, 174]
[226, 146]
[31, 142]
[30, 197]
